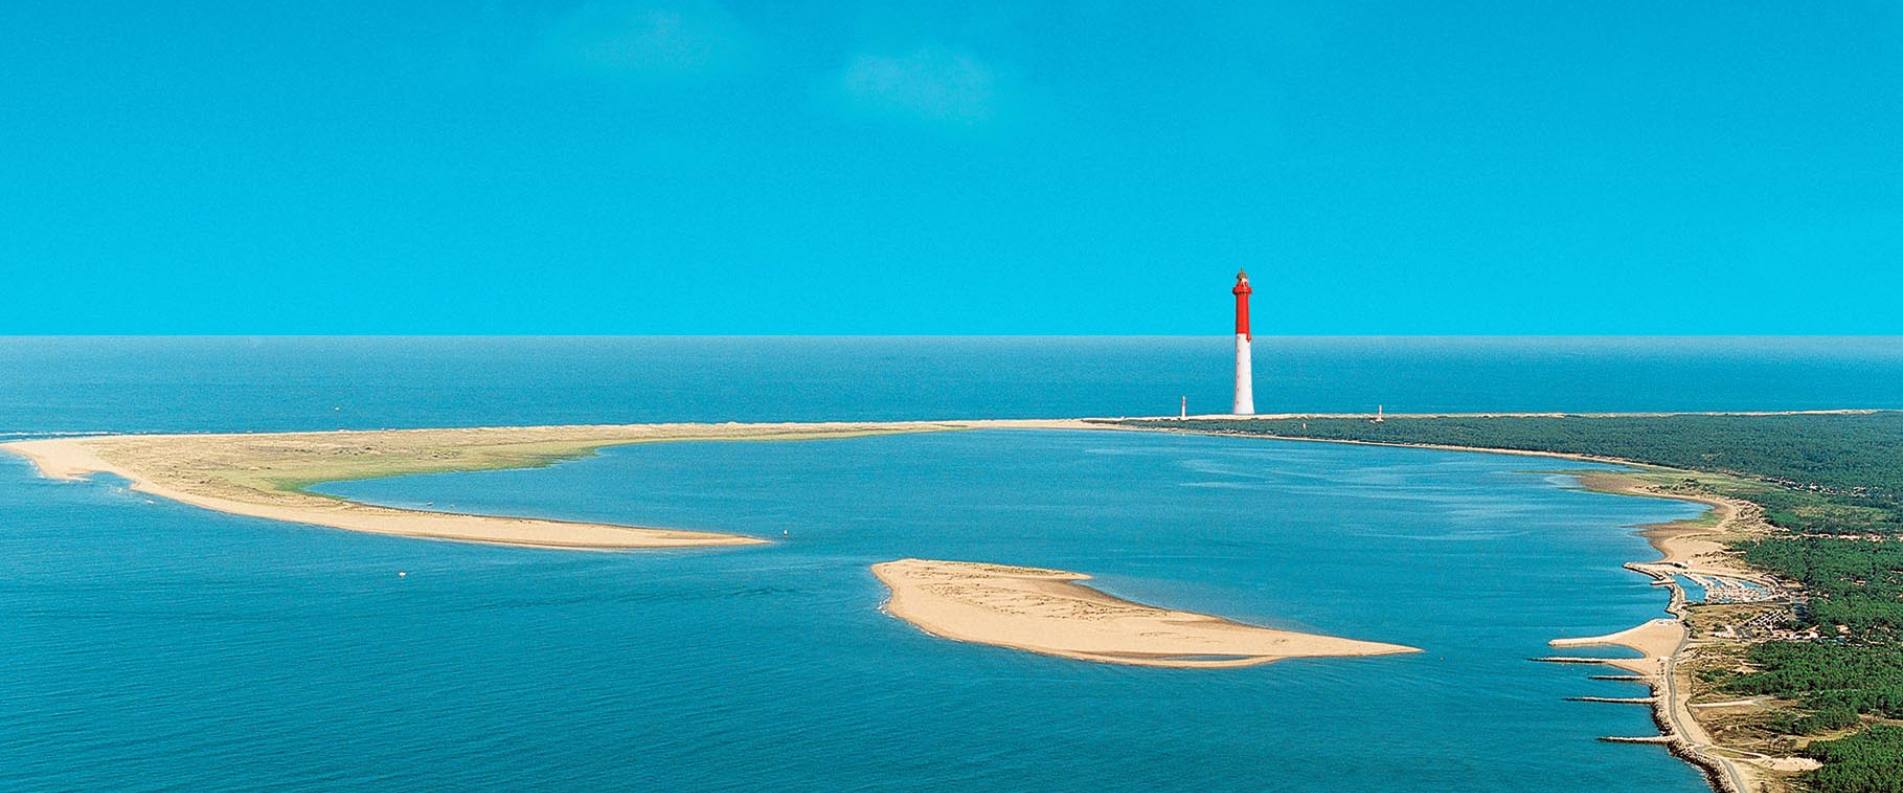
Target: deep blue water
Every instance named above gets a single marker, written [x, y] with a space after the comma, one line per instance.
[153, 646]
[237, 384]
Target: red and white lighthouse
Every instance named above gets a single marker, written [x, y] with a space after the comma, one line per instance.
[1245, 379]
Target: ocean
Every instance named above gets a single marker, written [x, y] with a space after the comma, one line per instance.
[274, 384]
[153, 646]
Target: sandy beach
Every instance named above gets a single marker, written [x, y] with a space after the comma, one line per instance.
[1051, 612]
[263, 475]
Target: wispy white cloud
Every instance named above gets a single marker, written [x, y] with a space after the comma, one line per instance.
[931, 83]
[645, 38]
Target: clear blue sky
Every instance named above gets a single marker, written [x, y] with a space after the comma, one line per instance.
[1014, 167]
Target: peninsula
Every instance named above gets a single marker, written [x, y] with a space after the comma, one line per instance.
[1050, 612]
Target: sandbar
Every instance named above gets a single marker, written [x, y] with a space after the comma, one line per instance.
[1049, 612]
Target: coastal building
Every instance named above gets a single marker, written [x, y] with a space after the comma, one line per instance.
[1245, 379]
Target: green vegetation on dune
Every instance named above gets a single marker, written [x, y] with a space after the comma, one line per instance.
[1868, 762]
[1826, 678]
[428, 461]
[1853, 583]
[1831, 482]
[296, 469]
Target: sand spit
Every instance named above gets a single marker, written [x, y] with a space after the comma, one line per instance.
[263, 475]
[1049, 612]
[1656, 641]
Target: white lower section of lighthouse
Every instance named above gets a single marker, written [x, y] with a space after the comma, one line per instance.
[1245, 379]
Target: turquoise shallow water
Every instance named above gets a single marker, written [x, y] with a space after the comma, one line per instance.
[159, 647]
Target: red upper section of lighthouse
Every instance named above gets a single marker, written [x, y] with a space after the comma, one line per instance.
[1241, 292]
